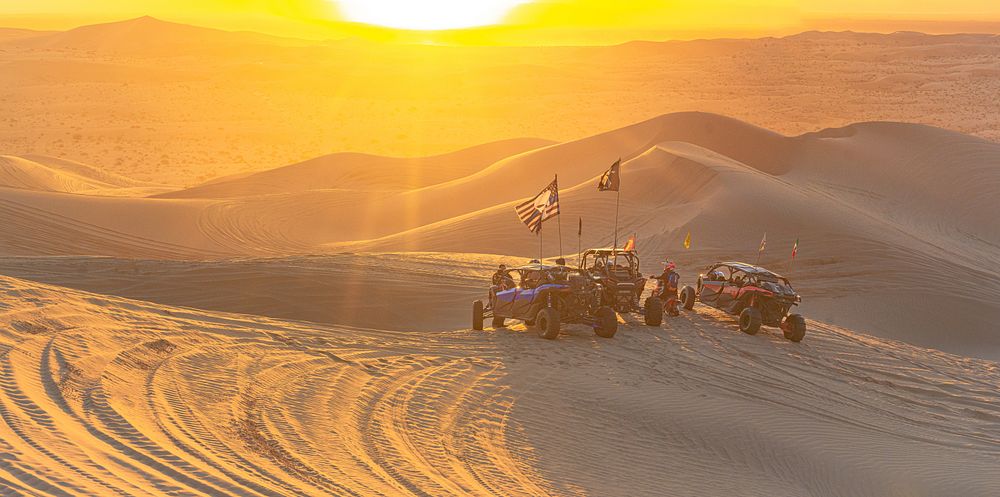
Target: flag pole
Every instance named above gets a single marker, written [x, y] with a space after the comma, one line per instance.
[579, 244]
[791, 260]
[618, 198]
[559, 221]
[760, 249]
[539, 243]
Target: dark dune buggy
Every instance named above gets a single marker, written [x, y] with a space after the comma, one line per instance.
[618, 273]
[756, 295]
[544, 297]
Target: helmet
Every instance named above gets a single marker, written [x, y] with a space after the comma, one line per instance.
[669, 264]
[503, 266]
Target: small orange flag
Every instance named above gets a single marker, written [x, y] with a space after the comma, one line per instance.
[630, 244]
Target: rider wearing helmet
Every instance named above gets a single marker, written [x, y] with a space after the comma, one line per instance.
[670, 280]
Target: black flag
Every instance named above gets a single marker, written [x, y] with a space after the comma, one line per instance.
[610, 179]
[579, 232]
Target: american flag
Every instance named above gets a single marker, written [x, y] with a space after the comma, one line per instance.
[540, 207]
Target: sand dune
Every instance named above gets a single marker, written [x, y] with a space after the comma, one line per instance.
[51, 174]
[513, 178]
[350, 171]
[890, 216]
[46, 223]
[103, 395]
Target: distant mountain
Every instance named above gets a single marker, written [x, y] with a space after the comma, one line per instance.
[147, 35]
[9, 34]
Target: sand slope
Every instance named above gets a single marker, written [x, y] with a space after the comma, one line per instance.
[105, 395]
[352, 171]
[371, 291]
[51, 174]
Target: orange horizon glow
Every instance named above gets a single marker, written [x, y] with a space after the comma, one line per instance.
[521, 22]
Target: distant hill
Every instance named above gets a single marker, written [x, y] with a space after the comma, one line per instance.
[147, 35]
[9, 34]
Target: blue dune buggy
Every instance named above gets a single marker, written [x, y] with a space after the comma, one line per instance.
[544, 297]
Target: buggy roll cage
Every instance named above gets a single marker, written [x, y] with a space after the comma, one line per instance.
[605, 254]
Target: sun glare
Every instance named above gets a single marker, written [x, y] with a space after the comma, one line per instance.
[427, 15]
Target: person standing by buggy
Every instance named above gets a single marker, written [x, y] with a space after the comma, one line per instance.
[501, 281]
[666, 288]
[501, 278]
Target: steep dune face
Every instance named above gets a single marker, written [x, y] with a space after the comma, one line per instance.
[940, 183]
[106, 395]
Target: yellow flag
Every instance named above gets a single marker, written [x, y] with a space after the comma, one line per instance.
[687, 241]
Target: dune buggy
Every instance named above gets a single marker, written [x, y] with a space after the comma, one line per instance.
[756, 295]
[545, 297]
[618, 273]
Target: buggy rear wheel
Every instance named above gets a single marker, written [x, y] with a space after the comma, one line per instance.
[687, 297]
[794, 327]
[477, 315]
[750, 320]
[607, 322]
[653, 311]
[547, 322]
[498, 322]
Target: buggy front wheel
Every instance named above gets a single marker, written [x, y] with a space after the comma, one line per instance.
[477, 315]
[794, 327]
[653, 311]
[750, 320]
[547, 322]
[607, 322]
[687, 297]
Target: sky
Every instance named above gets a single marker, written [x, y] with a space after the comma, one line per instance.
[522, 21]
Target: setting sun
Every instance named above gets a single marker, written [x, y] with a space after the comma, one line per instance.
[426, 14]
